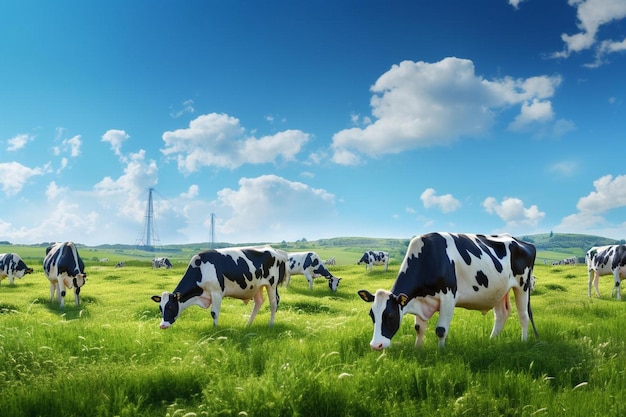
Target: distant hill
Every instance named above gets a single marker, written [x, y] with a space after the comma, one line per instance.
[550, 247]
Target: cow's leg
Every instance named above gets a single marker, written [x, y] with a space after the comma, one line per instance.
[11, 279]
[590, 282]
[501, 312]
[274, 298]
[76, 298]
[596, 280]
[53, 287]
[521, 302]
[61, 293]
[309, 278]
[258, 302]
[420, 329]
[216, 304]
[446, 311]
[617, 289]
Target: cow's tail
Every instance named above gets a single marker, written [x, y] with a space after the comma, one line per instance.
[530, 311]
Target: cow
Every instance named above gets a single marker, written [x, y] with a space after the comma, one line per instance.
[371, 258]
[230, 272]
[442, 271]
[605, 260]
[64, 269]
[311, 266]
[12, 266]
[120, 264]
[330, 261]
[161, 263]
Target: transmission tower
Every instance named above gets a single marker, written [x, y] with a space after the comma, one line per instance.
[150, 235]
[212, 231]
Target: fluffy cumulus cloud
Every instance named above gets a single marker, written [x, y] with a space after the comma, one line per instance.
[609, 194]
[592, 15]
[513, 212]
[115, 138]
[219, 140]
[271, 208]
[420, 104]
[446, 203]
[13, 176]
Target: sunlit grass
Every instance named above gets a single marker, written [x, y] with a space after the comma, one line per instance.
[109, 357]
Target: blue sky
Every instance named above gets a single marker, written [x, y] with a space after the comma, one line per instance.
[310, 119]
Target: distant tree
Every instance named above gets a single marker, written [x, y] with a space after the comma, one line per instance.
[551, 234]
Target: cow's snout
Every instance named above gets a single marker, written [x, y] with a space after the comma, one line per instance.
[377, 346]
[164, 325]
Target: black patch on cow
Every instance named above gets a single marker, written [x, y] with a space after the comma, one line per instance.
[170, 312]
[428, 273]
[522, 256]
[227, 267]
[482, 279]
[63, 257]
[390, 318]
[475, 288]
[466, 246]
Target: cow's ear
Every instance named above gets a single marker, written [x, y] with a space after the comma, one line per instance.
[156, 298]
[366, 296]
[403, 299]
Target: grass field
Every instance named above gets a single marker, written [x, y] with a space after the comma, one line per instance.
[108, 357]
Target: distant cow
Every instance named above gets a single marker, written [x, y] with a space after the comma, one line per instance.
[120, 264]
[231, 272]
[161, 263]
[311, 266]
[605, 260]
[442, 271]
[103, 260]
[567, 261]
[64, 269]
[371, 258]
[330, 261]
[12, 266]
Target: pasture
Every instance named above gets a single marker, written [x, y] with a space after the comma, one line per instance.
[108, 357]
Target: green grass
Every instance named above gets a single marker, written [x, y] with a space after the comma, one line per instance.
[108, 356]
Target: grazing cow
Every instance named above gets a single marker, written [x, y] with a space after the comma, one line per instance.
[120, 264]
[231, 272]
[371, 258]
[161, 263]
[330, 261]
[12, 266]
[64, 269]
[605, 260]
[442, 271]
[311, 266]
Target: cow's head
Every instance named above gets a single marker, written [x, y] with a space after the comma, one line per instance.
[365, 258]
[386, 313]
[169, 304]
[333, 283]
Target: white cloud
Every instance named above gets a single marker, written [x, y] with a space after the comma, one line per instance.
[192, 192]
[591, 16]
[446, 203]
[13, 176]
[516, 3]
[186, 107]
[19, 141]
[420, 104]
[115, 138]
[271, 208]
[513, 212]
[73, 144]
[220, 141]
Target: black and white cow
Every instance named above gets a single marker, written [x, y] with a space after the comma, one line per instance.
[161, 263]
[311, 266]
[371, 258]
[231, 272]
[12, 266]
[605, 260]
[442, 271]
[64, 269]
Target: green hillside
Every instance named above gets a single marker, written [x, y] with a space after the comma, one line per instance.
[346, 250]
